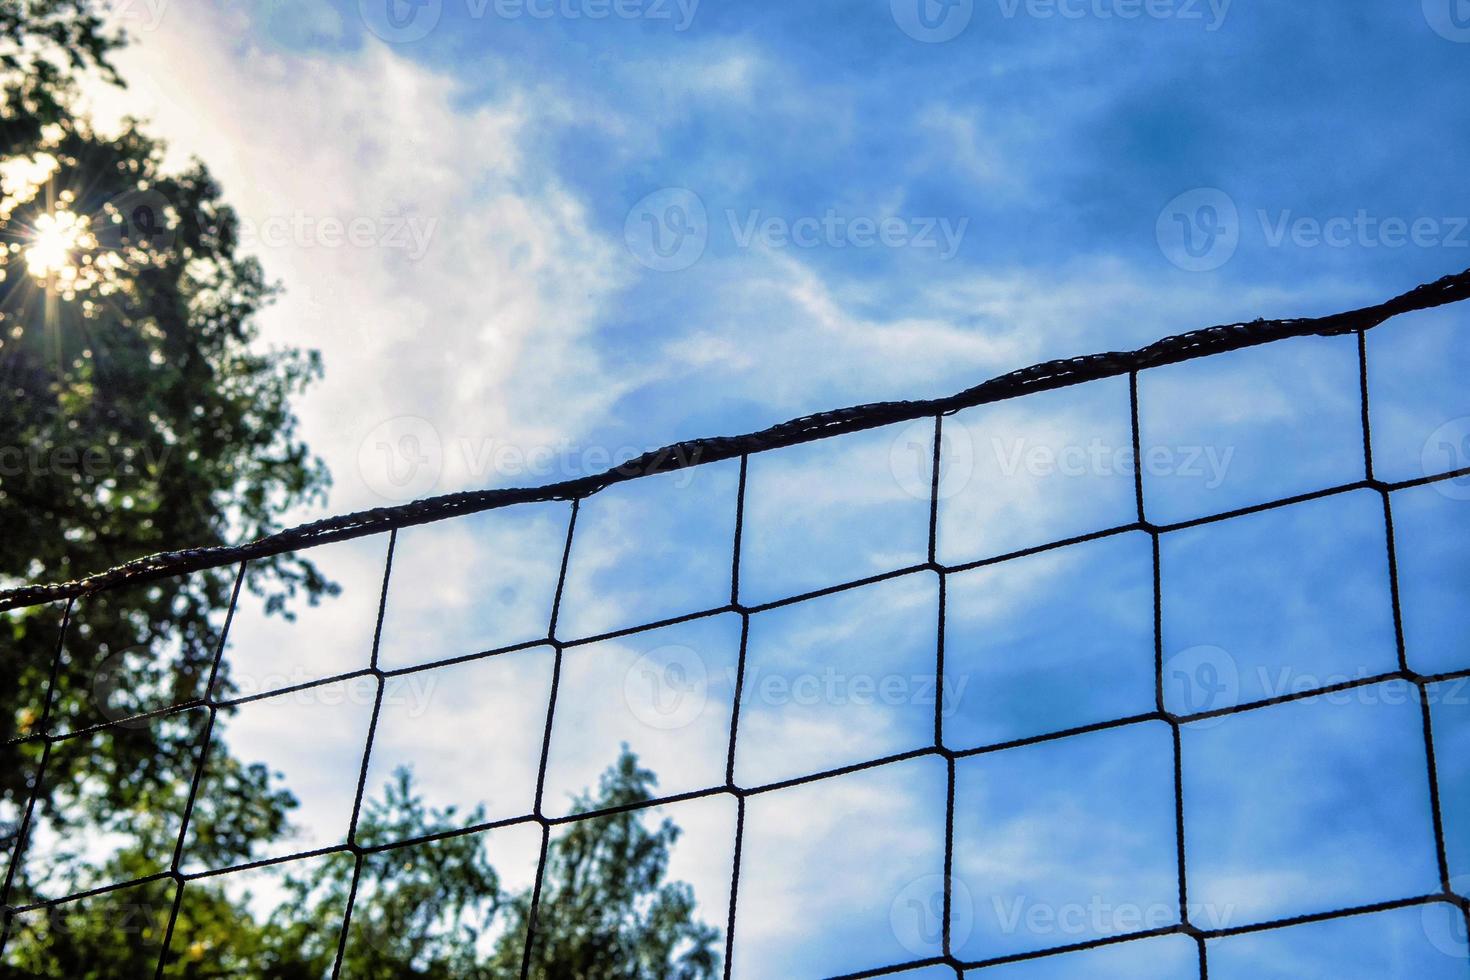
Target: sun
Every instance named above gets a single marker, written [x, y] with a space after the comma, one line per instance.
[58, 243]
[62, 254]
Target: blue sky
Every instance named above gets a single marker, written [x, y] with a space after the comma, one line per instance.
[500, 162]
[882, 216]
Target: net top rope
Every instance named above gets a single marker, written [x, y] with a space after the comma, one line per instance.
[1038, 377]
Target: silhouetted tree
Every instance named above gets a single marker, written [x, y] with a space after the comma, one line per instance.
[140, 415]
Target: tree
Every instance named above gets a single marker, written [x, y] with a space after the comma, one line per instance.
[606, 912]
[43, 44]
[430, 911]
[140, 415]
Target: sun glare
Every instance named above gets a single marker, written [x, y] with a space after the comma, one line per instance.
[56, 242]
[61, 253]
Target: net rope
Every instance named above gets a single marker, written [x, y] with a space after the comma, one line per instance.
[1038, 377]
[1042, 377]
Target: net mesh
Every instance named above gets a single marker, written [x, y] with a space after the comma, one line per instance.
[49, 738]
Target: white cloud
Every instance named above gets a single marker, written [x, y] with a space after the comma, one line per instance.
[830, 859]
[484, 334]
[807, 339]
[963, 142]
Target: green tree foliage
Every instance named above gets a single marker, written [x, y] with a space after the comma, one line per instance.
[606, 912]
[140, 415]
[43, 44]
[606, 909]
[432, 911]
